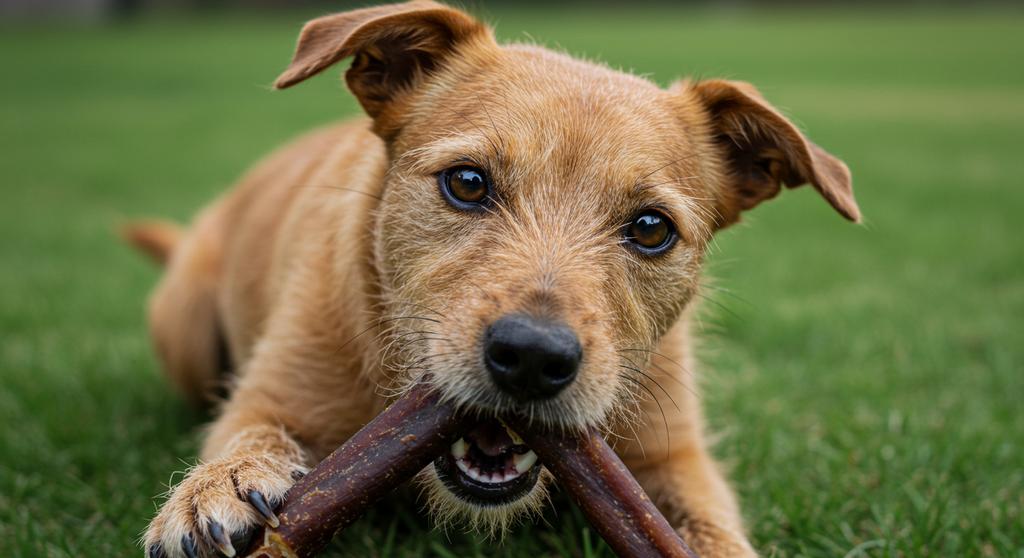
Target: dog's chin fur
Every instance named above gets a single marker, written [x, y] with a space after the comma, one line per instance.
[448, 511]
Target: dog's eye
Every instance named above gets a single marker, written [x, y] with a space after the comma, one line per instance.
[651, 232]
[465, 187]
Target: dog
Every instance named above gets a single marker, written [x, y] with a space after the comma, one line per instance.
[523, 229]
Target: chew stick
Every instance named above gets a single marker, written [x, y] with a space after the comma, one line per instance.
[386, 452]
[604, 489]
[417, 428]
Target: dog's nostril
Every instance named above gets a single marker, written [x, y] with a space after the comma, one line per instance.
[502, 355]
[558, 371]
[530, 358]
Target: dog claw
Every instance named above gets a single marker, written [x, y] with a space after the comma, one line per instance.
[260, 503]
[297, 475]
[221, 539]
[189, 547]
[156, 550]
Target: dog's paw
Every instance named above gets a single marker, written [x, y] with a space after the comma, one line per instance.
[219, 505]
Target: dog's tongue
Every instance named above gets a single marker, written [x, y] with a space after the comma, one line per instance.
[491, 438]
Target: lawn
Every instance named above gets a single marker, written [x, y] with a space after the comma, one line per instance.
[865, 382]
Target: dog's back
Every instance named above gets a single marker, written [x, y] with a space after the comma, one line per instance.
[227, 269]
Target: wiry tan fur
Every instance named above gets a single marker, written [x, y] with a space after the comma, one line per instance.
[336, 274]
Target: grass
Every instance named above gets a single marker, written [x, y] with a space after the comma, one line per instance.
[865, 383]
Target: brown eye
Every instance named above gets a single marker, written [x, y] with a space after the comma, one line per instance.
[465, 187]
[651, 232]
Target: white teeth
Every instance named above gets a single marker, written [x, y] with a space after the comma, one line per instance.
[470, 472]
[512, 434]
[521, 462]
[497, 477]
[459, 448]
[524, 461]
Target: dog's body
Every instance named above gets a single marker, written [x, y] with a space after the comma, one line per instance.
[336, 273]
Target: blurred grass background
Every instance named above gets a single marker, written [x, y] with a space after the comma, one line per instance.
[865, 382]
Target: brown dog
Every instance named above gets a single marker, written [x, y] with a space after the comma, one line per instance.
[526, 227]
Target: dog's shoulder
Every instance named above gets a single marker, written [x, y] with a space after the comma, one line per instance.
[313, 160]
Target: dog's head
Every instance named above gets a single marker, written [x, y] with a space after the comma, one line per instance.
[543, 220]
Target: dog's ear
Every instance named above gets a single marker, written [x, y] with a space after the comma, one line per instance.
[393, 46]
[764, 151]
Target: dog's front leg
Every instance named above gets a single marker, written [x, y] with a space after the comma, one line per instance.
[290, 408]
[681, 477]
[249, 463]
[693, 495]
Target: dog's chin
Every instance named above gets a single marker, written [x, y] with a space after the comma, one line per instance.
[486, 481]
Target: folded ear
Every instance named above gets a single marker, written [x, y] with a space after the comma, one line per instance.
[393, 46]
[763, 151]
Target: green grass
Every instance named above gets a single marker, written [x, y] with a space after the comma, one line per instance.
[866, 382]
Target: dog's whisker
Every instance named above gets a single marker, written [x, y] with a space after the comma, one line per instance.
[392, 332]
[487, 138]
[378, 323]
[421, 361]
[500, 154]
[655, 353]
[343, 189]
[661, 370]
[404, 335]
[420, 305]
[677, 181]
[719, 305]
[423, 338]
[656, 402]
[729, 293]
[628, 414]
[682, 368]
[656, 383]
[394, 345]
[640, 180]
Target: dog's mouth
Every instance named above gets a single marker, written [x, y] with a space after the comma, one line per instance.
[489, 466]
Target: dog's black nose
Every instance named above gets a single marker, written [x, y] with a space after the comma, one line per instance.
[529, 358]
